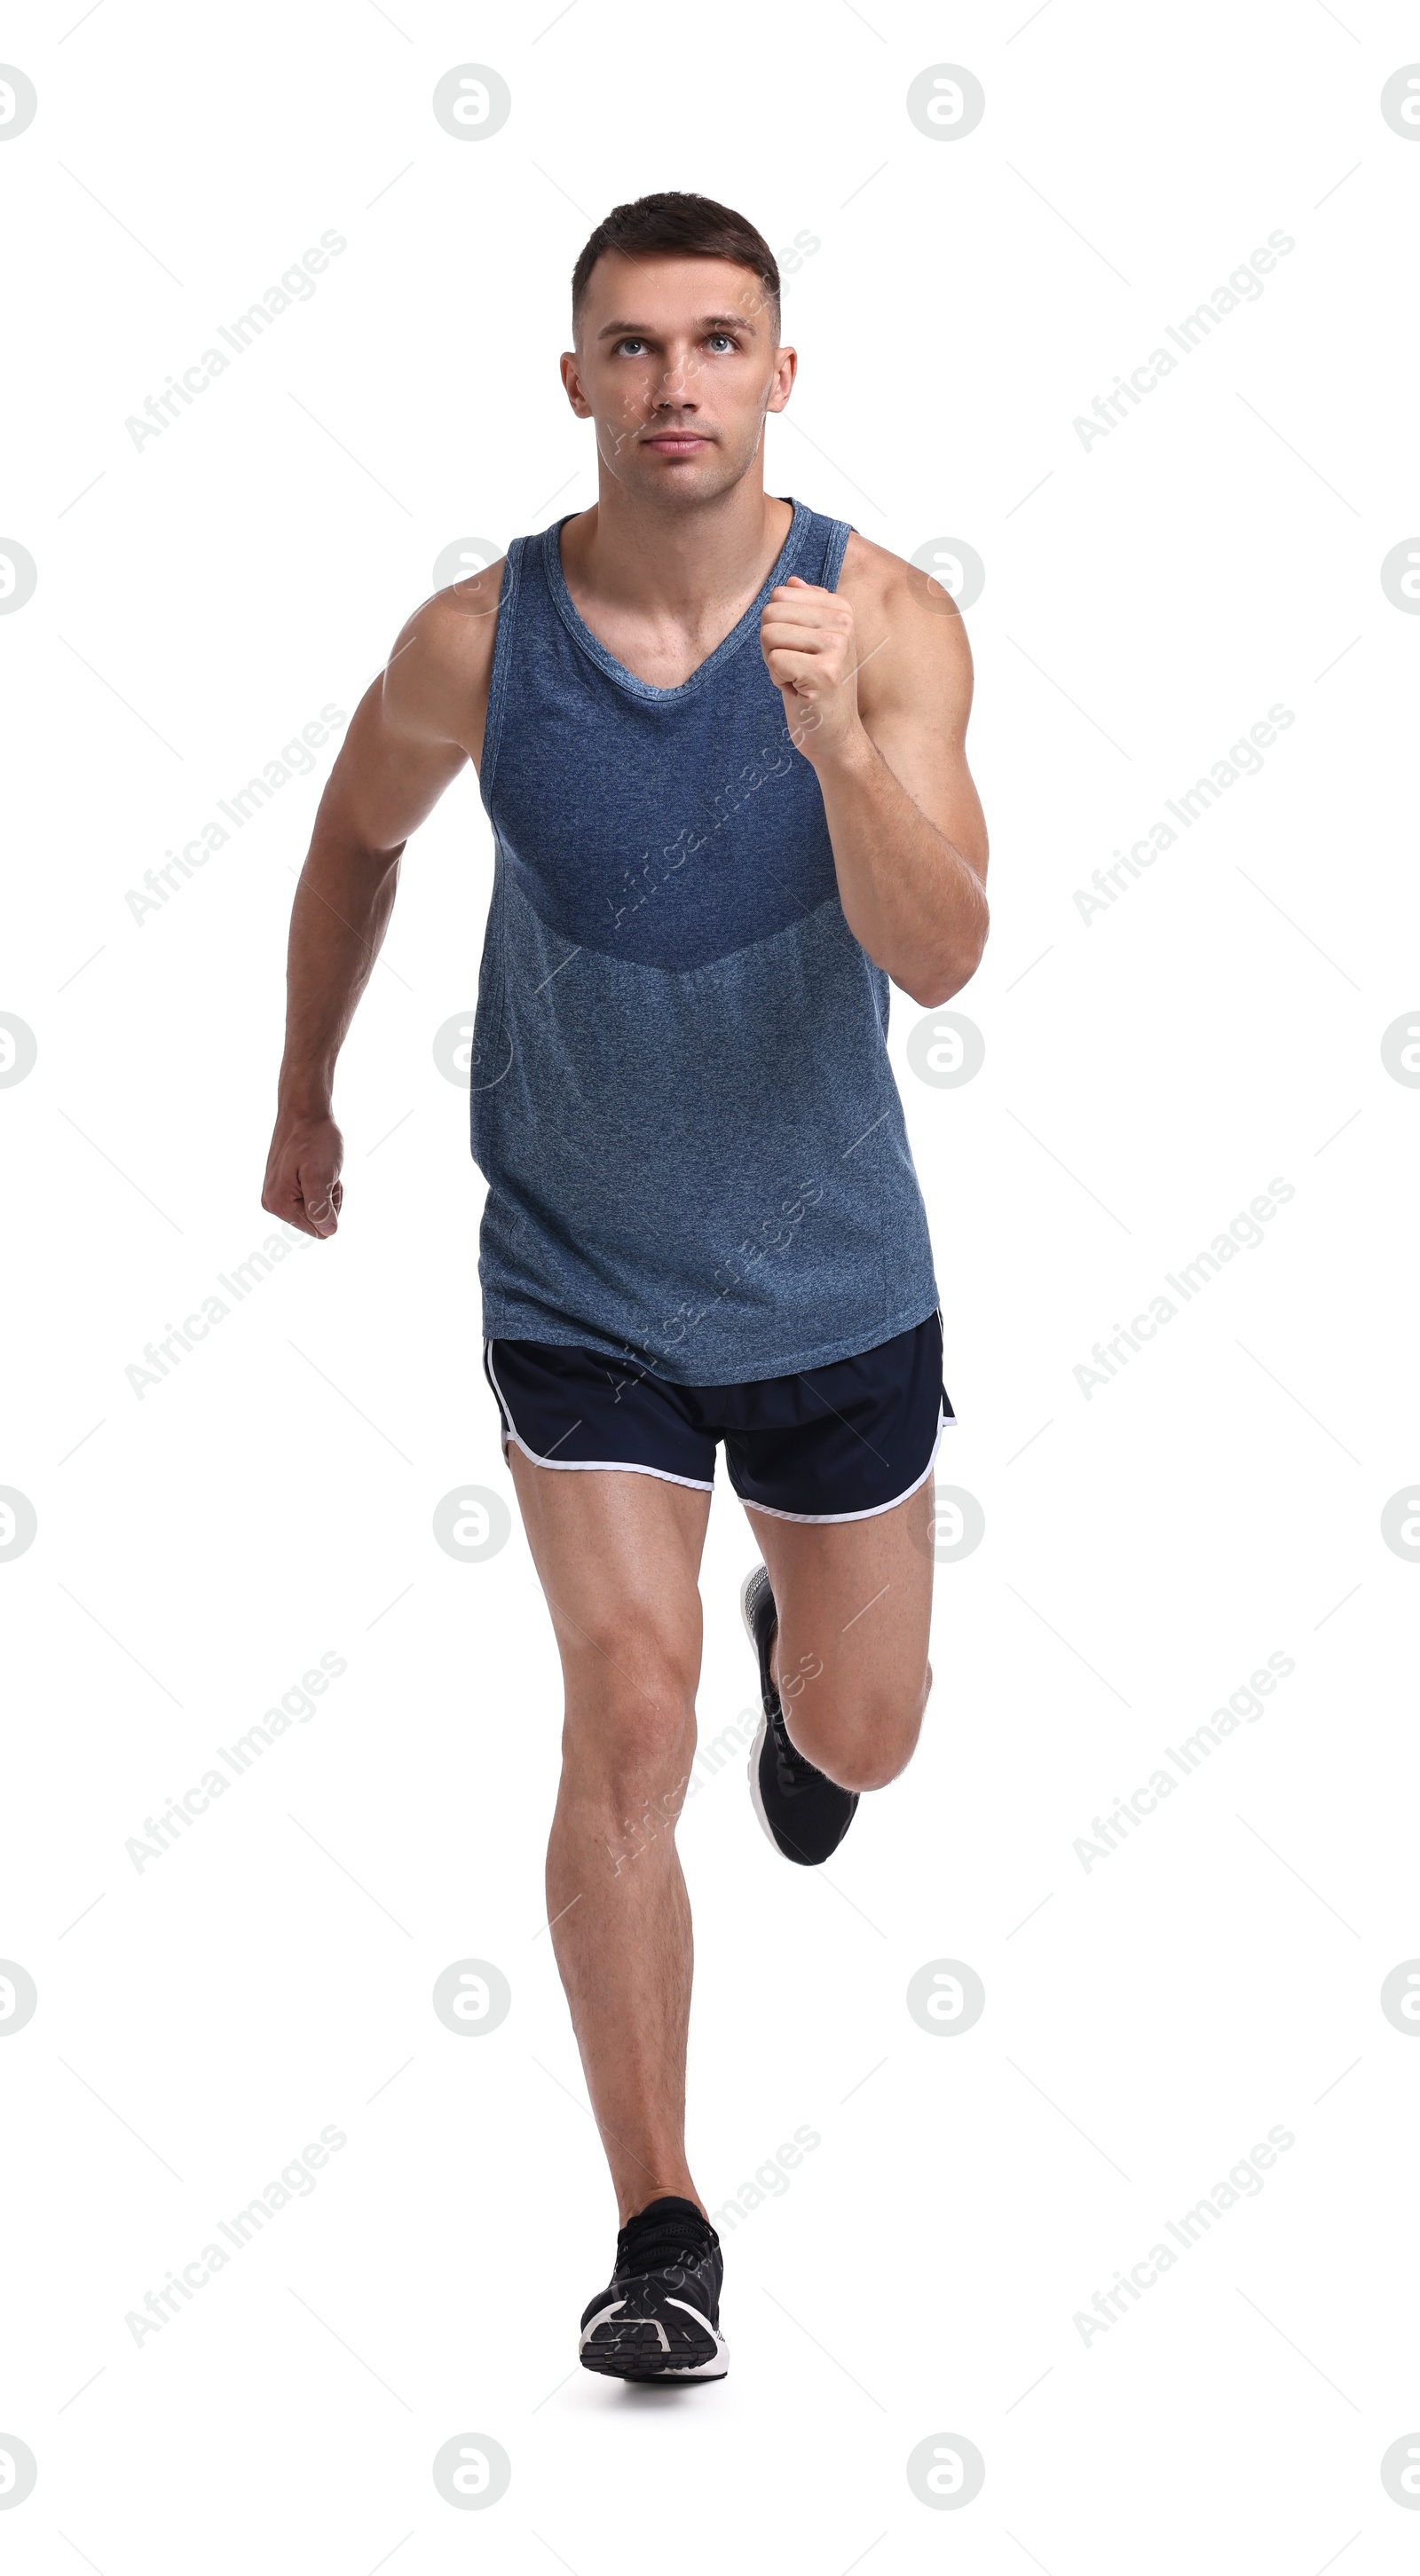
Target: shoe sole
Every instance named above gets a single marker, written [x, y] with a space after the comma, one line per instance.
[801, 1859]
[637, 2350]
[755, 1797]
[628, 2366]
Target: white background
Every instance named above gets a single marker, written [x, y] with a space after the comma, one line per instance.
[1147, 1547]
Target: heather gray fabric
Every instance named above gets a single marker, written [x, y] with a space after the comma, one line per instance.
[681, 1096]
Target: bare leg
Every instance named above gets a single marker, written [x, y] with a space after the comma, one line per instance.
[854, 1602]
[618, 1557]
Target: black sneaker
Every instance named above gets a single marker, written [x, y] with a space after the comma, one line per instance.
[659, 2316]
[804, 1814]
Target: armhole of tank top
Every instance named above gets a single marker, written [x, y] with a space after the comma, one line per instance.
[839, 532]
[502, 659]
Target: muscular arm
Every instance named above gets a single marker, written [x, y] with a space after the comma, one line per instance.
[411, 734]
[876, 681]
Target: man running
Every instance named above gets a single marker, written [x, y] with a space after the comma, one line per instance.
[720, 739]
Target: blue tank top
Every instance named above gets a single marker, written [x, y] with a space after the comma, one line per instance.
[681, 1096]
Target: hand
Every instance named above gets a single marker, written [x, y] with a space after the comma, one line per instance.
[303, 1184]
[809, 643]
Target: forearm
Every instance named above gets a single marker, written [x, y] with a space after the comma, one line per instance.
[338, 920]
[405, 742]
[909, 896]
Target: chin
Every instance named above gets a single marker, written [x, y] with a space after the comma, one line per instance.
[687, 483]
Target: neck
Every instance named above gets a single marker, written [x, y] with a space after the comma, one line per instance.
[674, 559]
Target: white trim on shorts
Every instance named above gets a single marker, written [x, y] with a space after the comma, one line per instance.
[821, 1520]
[624, 1467]
[576, 1466]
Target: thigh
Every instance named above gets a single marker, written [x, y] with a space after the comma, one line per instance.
[618, 1557]
[834, 1468]
[854, 1600]
[613, 1471]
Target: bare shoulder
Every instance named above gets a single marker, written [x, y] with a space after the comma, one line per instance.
[913, 647]
[435, 682]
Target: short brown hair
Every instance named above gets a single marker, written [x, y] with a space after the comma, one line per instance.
[672, 224]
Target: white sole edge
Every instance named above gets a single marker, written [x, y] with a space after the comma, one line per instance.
[755, 1799]
[713, 2368]
[744, 1606]
[718, 2362]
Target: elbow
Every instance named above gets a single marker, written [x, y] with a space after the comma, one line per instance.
[929, 992]
[933, 981]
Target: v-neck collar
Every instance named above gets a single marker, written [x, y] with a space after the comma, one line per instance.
[592, 645]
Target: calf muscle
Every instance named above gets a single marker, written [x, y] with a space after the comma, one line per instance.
[618, 1558]
[854, 1603]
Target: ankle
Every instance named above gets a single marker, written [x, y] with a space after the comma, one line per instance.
[634, 2202]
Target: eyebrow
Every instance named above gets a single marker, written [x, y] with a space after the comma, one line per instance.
[710, 322]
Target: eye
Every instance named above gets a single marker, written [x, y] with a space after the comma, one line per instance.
[630, 342]
[724, 338]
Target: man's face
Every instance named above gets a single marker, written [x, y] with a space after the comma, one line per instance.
[677, 364]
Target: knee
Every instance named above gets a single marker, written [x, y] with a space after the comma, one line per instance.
[862, 1742]
[629, 1729]
[856, 1763]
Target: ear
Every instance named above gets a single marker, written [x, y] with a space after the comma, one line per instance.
[570, 366]
[786, 367]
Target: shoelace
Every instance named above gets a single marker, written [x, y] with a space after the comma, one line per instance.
[669, 2240]
[795, 1770]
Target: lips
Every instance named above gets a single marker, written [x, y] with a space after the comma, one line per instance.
[676, 442]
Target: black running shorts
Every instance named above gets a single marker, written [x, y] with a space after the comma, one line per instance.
[827, 1444]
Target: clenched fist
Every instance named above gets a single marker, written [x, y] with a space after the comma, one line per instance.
[303, 1182]
[809, 643]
